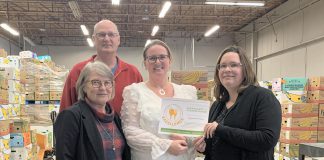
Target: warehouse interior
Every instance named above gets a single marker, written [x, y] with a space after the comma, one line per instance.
[283, 38]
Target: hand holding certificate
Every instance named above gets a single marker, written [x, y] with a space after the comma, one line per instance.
[183, 116]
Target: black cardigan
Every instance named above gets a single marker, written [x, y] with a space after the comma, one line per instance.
[251, 128]
[77, 136]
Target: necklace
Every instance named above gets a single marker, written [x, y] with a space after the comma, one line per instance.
[110, 137]
[162, 92]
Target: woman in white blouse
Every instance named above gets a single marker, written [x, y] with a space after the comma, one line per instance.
[141, 110]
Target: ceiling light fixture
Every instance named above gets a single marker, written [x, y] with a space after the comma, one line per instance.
[155, 29]
[165, 9]
[84, 30]
[75, 9]
[9, 29]
[147, 42]
[211, 31]
[90, 43]
[115, 2]
[236, 3]
[29, 41]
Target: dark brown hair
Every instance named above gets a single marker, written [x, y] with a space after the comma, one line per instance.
[249, 77]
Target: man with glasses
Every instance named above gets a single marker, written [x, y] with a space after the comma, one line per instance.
[106, 39]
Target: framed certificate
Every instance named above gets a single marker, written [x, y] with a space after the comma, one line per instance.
[183, 116]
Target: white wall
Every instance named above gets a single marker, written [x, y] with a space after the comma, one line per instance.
[297, 48]
[206, 54]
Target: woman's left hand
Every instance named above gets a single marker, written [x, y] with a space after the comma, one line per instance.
[210, 129]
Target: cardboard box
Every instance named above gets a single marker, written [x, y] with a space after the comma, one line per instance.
[19, 126]
[321, 136]
[266, 84]
[305, 123]
[41, 96]
[10, 72]
[294, 84]
[19, 153]
[291, 96]
[290, 150]
[14, 97]
[296, 136]
[299, 109]
[5, 127]
[20, 139]
[321, 110]
[315, 96]
[316, 83]
[3, 83]
[42, 140]
[55, 95]
[276, 84]
[4, 96]
[30, 95]
[14, 86]
[4, 112]
[189, 77]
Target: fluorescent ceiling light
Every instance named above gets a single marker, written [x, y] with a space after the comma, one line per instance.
[84, 30]
[29, 41]
[237, 3]
[90, 43]
[9, 29]
[165, 9]
[115, 2]
[211, 31]
[147, 42]
[75, 9]
[155, 29]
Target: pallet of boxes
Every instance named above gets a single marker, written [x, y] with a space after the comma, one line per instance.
[299, 118]
[316, 95]
[15, 136]
[43, 82]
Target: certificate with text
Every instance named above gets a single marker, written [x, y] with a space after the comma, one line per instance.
[183, 116]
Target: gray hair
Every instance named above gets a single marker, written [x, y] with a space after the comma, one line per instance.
[97, 67]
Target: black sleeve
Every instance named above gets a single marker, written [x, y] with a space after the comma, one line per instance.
[66, 130]
[267, 130]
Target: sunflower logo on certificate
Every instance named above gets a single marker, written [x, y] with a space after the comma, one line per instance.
[172, 115]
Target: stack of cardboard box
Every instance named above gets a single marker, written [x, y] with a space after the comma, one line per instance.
[194, 78]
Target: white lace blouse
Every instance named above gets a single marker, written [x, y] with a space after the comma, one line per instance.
[140, 114]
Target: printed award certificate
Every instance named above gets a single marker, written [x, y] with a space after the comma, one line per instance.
[183, 116]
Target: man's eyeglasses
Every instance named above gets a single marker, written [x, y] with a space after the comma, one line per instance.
[222, 67]
[98, 83]
[153, 59]
[102, 35]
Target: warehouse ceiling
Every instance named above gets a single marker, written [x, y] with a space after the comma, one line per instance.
[51, 22]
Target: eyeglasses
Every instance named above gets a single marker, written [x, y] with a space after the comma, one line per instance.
[222, 67]
[102, 35]
[153, 59]
[98, 83]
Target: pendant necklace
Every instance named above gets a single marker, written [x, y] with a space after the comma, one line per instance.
[162, 92]
[110, 137]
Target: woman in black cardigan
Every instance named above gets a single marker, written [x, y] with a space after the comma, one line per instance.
[244, 122]
[90, 129]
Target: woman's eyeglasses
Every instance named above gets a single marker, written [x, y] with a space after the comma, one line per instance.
[222, 67]
[98, 83]
[153, 59]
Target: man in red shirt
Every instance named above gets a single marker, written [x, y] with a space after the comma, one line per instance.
[106, 39]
